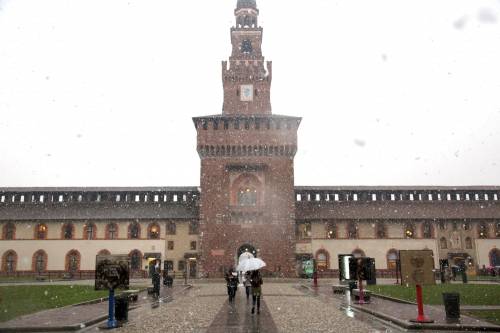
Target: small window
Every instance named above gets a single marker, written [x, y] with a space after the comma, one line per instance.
[137, 199]
[193, 227]
[184, 197]
[61, 198]
[374, 197]
[486, 197]
[457, 196]
[439, 197]
[429, 197]
[154, 231]
[448, 196]
[2, 199]
[409, 230]
[117, 198]
[443, 244]
[355, 196]
[22, 198]
[135, 260]
[427, 230]
[476, 197]
[181, 265]
[468, 243]
[171, 228]
[193, 246]
[393, 197]
[42, 198]
[467, 196]
[299, 197]
[68, 231]
[170, 245]
[318, 197]
[495, 197]
[331, 230]
[134, 231]
[352, 230]
[156, 198]
[336, 197]
[175, 197]
[411, 197]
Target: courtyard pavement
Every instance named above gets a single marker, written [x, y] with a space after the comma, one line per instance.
[285, 307]
[203, 307]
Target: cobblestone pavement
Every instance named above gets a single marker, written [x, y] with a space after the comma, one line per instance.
[284, 308]
[192, 312]
[294, 311]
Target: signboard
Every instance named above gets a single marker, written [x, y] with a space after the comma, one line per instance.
[417, 267]
[308, 267]
[361, 268]
[217, 252]
[112, 271]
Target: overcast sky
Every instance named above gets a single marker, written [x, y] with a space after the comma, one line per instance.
[101, 92]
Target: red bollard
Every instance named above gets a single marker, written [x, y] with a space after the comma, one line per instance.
[361, 293]
[315, 279]
[420, 304]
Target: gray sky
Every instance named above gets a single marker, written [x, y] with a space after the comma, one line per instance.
[101, 93]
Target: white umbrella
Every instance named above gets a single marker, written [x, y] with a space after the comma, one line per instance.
[250, 264]
[245, 256]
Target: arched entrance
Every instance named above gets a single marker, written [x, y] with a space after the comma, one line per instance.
[246, 248]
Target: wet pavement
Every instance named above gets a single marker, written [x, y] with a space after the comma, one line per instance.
[204, 308]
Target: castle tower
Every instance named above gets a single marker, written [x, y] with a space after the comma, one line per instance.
[247, 188]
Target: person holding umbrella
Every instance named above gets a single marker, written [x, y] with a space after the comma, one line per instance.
[256, 282]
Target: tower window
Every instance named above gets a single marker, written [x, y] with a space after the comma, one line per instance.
[247, 197]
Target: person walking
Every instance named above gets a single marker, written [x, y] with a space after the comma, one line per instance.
[247, 284]
[256, 282]
[232, 284]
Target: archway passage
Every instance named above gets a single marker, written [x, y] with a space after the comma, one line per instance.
[247, 248]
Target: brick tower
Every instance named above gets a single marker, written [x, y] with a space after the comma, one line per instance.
[247, 188]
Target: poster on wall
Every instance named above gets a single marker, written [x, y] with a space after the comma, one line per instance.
[417, 267]
[112, 272]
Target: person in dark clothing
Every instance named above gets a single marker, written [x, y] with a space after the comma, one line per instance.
[232, 284]
[247, 284]
[256, 281]
[156, 281]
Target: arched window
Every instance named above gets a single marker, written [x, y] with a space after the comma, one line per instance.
[89, 231]
[443, 243]
[68, 231]
[135, 260]
[427, 229]
[468, 243]
[247, 196]
[246, 190]
[194, 227]
[41, 231]
[134, 231]
[380, 229]
[358, 253]
[73, 261]
[111, 231]
[103, 253]
[494, 257]
[409, 230]
[39, 261]
[9, 262]
[483, 230]
[9, 231]
[153, 231]
[322, 260]
[331, 230]
[392, 258]
[352, 230]
[171, 228]
[497, 229]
